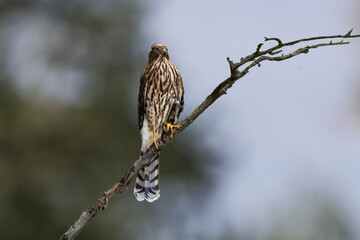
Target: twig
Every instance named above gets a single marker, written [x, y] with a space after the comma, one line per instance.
[253, 59]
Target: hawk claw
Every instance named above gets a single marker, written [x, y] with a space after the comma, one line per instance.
[154, 140]
[157, 147]
[170, 127]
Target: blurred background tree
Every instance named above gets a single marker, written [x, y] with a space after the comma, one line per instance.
[68, 119]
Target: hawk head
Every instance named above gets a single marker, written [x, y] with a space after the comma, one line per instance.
[158, 52]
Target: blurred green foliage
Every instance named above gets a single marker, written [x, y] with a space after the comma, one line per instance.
[57, 158]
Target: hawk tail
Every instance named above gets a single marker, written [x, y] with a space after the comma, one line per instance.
[147, 182]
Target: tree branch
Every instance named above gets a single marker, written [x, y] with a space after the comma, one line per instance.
[253, 59]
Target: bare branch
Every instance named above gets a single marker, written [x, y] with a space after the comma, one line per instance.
[258, 47]
[275, 39]
[253, 59]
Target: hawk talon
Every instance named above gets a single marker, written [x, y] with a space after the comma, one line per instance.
[170, 127]
[154, 139]
[157, 147]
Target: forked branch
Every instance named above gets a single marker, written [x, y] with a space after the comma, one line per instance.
[254, 59]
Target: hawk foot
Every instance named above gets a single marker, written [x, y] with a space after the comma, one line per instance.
[154, 139]
[170, 127]
[157, 147]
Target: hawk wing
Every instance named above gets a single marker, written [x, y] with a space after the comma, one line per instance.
[141, 107]
[181, 90]
[178, 106]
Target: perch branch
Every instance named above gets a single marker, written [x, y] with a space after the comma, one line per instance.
[254, 59]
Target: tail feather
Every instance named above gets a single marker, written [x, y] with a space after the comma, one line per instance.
[147, 182]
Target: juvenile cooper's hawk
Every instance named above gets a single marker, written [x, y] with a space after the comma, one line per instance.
[161, 99]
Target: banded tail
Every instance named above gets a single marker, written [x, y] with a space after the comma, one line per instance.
[147, 182]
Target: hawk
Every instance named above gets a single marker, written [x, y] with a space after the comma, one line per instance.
[161, 99]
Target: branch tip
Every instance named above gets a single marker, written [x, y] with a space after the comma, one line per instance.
[231, 63]
[275, 39]
[349, 33]
[276, 52]
[258, 47]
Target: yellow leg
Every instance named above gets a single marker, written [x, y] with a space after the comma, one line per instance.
[154, 140]
[170, 127]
